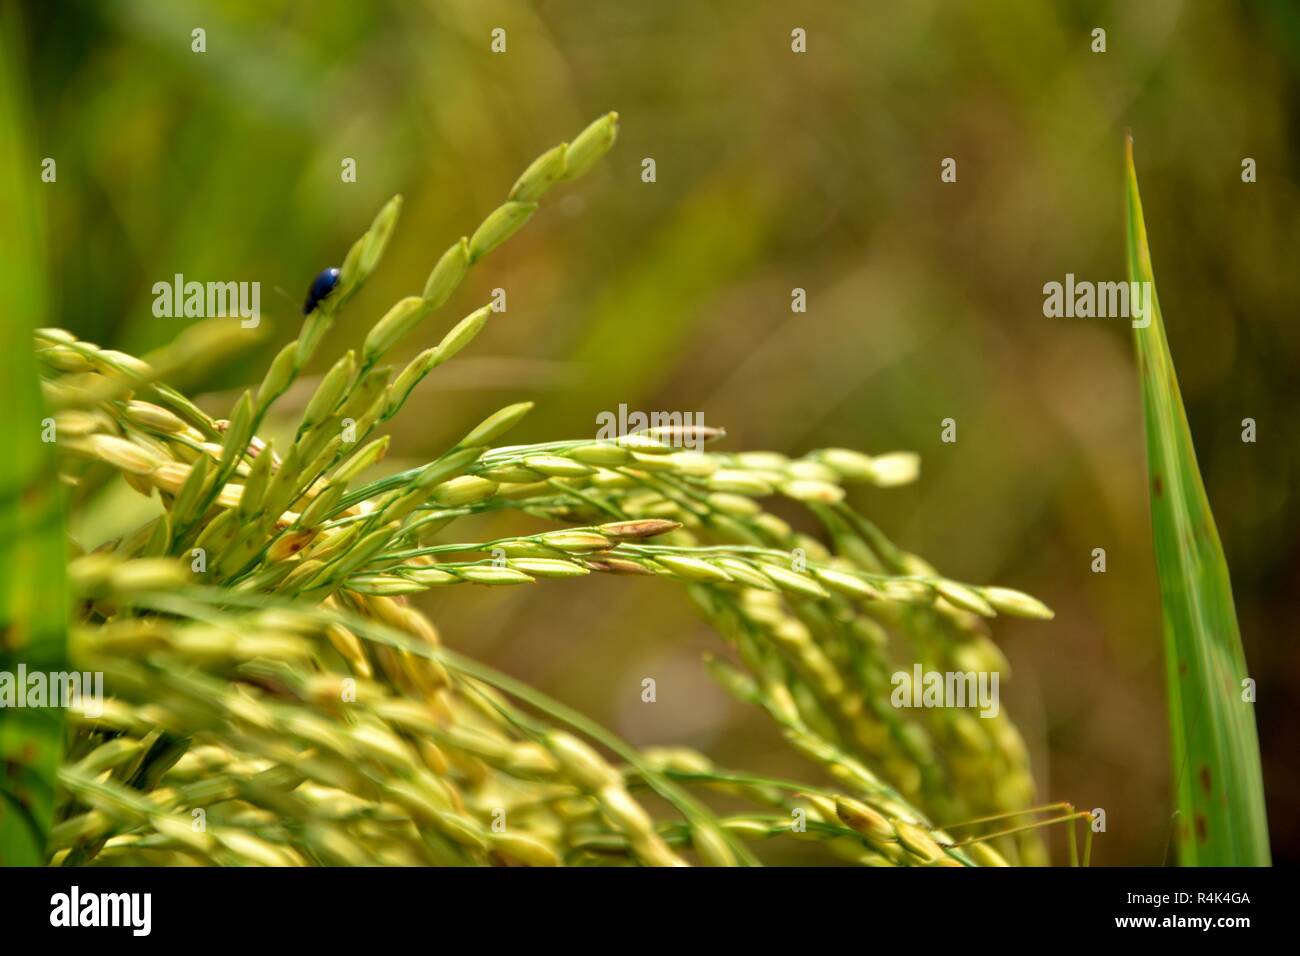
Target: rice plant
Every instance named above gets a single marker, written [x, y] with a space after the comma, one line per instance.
[273, 697]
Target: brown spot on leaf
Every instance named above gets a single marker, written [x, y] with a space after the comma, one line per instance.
[1182, 668]
[1202, 830]
[1205, 779]
[1158, 486]
[33, 497]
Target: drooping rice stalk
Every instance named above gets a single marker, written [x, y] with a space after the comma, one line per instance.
[275, 699]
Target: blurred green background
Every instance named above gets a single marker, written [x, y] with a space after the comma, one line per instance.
[775, 170]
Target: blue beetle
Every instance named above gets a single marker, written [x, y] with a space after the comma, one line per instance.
[321, 287]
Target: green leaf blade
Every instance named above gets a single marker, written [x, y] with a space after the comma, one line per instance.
[33, 555]
[1215, 749]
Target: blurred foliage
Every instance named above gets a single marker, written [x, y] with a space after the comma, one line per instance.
[775, 170]
[33, 551]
